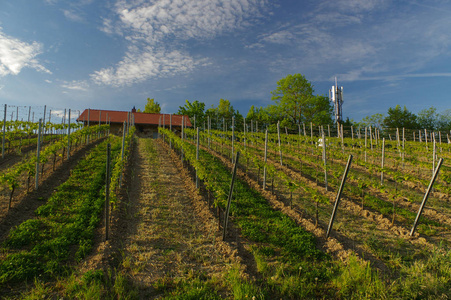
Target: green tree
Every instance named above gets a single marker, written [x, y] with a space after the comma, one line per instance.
[444, 121]
[428, 118]
[195, 109]
[224, 112]
[399, 118]
[296, 102]
[319, 110]
[225, 109]
[348, 122]
[152, 107]
[292, 95]
[264, 115]
[376, 120]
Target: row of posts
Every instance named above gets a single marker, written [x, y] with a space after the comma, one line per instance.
[324, 157]
[42, 121]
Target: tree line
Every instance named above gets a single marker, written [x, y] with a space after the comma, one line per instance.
[294, 103]
[398, 117]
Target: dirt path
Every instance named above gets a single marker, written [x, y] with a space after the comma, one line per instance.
[167, 238]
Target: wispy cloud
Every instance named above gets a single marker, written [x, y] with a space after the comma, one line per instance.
[16, 55]
[76, 85]
[357, 75]
[73, 16]
[155, 29]
[280, 37]
[360, 39]
[140, 64]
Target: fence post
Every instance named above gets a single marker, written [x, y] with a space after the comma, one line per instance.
[434, 154]
[89, 118]
[68, 137]
[337, 200]
[170, 129]
[43, 120]
[181, 149]
[325, 160]
[226, 217]
[233, 136]
[4, 133]
[38, 152]
[107, 192]
[264, 167]
[278, 136]
[366, 141]
[197, 155]
[383, 161]
[122, 151]
[426, 195]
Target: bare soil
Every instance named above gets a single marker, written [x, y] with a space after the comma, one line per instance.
[162, 230]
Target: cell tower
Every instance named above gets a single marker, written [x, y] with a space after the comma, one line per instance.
[336, 96]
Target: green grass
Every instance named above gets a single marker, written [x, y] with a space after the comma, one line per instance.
[63, 229]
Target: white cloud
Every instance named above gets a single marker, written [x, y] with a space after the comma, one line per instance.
[141, 64]
[357, 6]
[281, 37]
[15, 55]
[72, 16]
[155, 29]
[359, 75]
[75, 85]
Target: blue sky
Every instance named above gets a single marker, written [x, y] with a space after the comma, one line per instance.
[114, 54]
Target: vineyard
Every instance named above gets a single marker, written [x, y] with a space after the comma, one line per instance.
[223, 214]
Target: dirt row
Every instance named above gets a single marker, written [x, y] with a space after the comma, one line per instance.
[346, 240]
[163, 231]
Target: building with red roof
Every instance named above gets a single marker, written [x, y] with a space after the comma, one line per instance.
[146, 124]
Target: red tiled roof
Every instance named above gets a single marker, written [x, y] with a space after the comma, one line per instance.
[140, 118]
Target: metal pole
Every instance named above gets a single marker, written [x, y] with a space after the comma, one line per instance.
[383, 161]
[38, 152]
[209, 127]
[433, 157]
[89, 118]
[366, 138]
[107, 192]
[278, 136]
[197, 155]
[325, 160]
[43, 120]
[229, 200]
[170, 128]
[233, 136]
[264, 167]
[123, 149]
[4, 133]
[337, 200]
[100, 118]
[181, 150]
[68, 137]
[371, 139]
[420, 210]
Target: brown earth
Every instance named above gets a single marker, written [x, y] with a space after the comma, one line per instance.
[163, 230]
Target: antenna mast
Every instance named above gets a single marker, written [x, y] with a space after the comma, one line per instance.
[336, 96]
